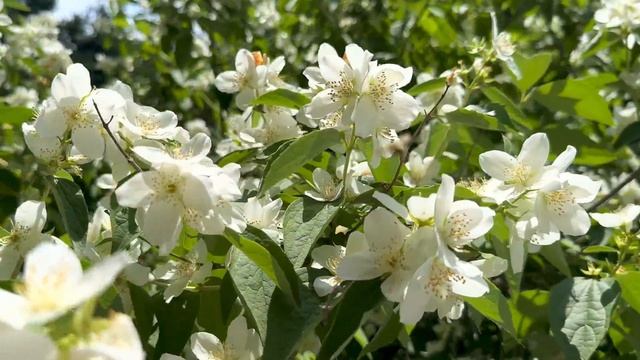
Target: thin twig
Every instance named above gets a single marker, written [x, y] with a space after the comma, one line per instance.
[427, 118]
[615, 190]
[105, 125]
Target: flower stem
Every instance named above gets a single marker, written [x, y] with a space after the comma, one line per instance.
[347, 162]
[105, 125]
[635, 174]
[427, 118]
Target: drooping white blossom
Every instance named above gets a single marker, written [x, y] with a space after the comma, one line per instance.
[54, 283]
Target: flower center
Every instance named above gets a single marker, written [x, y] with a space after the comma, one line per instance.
[381, 91]
[458, 225]
[559, 201]
[519, 174]
[439, 280]
[341, 89]
[77, 116]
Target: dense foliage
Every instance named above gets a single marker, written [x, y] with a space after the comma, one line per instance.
[320, 179]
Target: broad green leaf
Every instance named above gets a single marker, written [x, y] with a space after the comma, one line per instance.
[305, 220]
[268, 257]
[288, 326]
[428, 86]
[123, 228]
[577, 97]
[476, 120]
[16, 5]
[236, 156]
[498, 97]
[216, 304]
[630, 285]
[386, 335]
[254, 288]
[580, 311]
[595, 249]
[361, 297]
[299, 152]
[629, 135]
[72, 208]
[176, 321]
[589, 152]
[555, 255]
[531, 68]
[495, 307]
[624, 330]
[142, 312]
[439, 137]
[282, 97]
[533, 307]
[14, 115]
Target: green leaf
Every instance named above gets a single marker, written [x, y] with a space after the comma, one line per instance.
[282, 97]
[439, 137]
[630, 135]
[476, 120]
[254, 288]
[15, 115]
[236, 156]
[72, 208]
[594, 249]
[495, 307]
[268, 256]
[531, 68]
[580, 311]
[16, 5]
[288, 326]
[123, 228]
[361, 297]
[142, 312]
[498, 97]
[216, 304]
[176, 320]
[555, 255]
[533, 307]
[386, 335]
[305, 220]
[624, 330]
[630, 285]
[427, 86]
[576, 97]
[298, 153]
[589, 152]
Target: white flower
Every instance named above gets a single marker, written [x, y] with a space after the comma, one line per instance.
[26, 233]
[439, 285]
[55, 283]
[324, 186]
[522, 173]
[193, 151]
[171, 194]
[72, 109]
[330, 257]
[459, 222]
[113, 338]
[420, 171]
[145, 121]
[362, 91]
[453, 100]
[621, 218]
[241, 343]
[623, 117]
[557, 205]
[45, 148]
[263, 214]
[182, 273]
[26, 344]
[619, 13]
[391, 249]
[277, 124]
[503, 46]
[248, 80]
